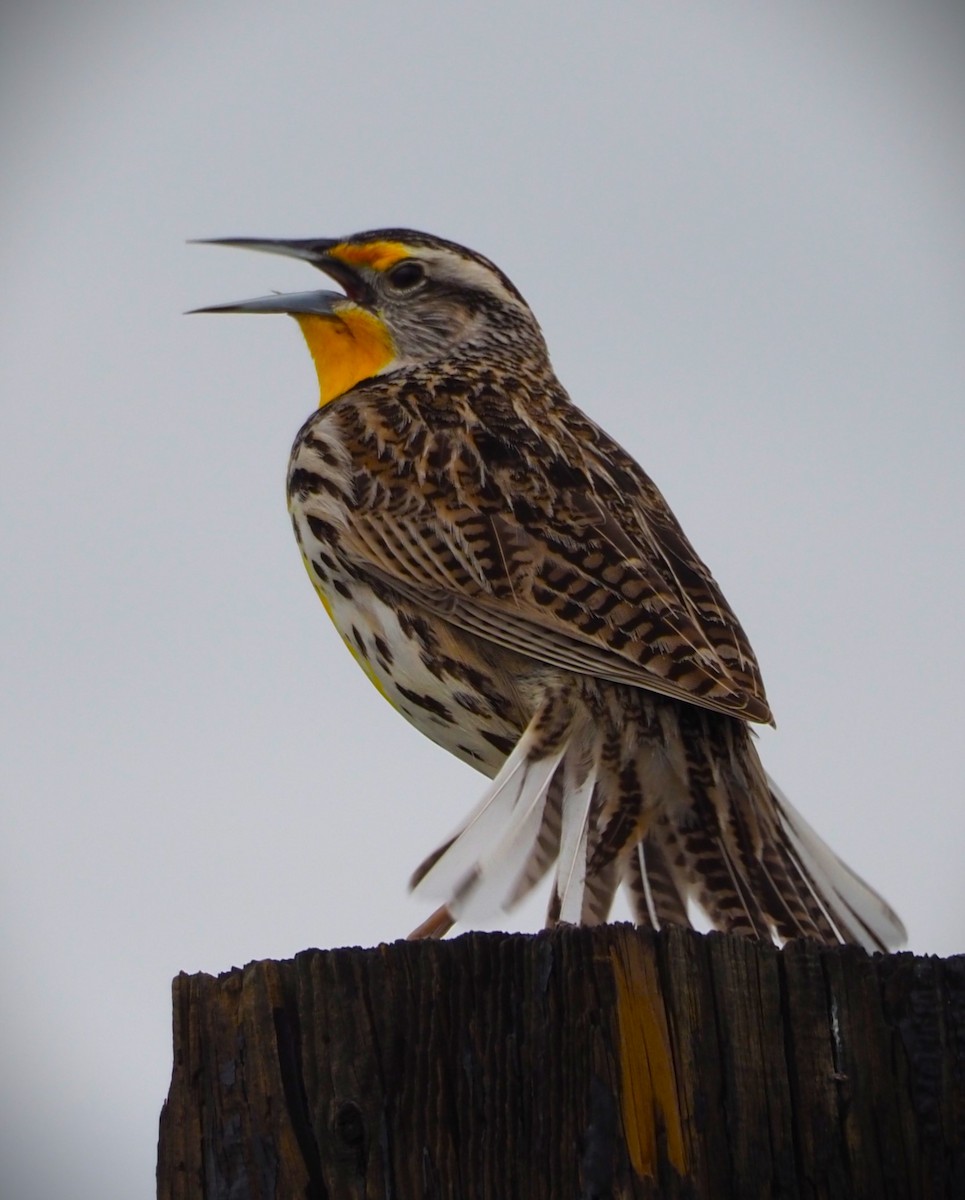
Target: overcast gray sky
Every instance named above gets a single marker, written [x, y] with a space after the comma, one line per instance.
[742, 228]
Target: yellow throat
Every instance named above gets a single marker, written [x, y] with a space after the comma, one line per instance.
[346, 348]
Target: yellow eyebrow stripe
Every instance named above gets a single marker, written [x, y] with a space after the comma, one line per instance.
[377, 255]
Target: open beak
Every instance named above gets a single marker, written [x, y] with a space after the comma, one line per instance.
[353, 344]
[321, 304]
[310, 250]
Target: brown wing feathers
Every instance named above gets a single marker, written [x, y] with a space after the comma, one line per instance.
[614, 591]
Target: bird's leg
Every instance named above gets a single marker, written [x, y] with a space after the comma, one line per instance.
[435, 926]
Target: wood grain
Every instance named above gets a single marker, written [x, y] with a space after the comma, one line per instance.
[588, 1063]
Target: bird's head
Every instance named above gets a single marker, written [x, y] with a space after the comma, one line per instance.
[408, 298]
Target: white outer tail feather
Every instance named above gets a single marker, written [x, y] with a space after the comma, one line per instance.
[478, 871]
[493, 880]
[475, 837]
[574, 837]
[875, 925]
[647, 893]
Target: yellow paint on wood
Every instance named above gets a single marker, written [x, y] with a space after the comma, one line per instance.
[648, 1085]
[346, 347]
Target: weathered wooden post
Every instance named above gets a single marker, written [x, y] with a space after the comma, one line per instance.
[584, 1063]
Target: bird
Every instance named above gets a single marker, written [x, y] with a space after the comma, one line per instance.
[515, 585]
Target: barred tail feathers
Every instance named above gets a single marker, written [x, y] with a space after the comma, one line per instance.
[861, 915]
[746, 857]
[670, 800]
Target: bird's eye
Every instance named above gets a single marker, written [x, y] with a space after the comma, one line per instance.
[407, 275]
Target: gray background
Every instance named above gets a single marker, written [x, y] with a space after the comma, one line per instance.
[742, 229]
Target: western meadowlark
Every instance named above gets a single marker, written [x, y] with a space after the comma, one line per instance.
[516, 586]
